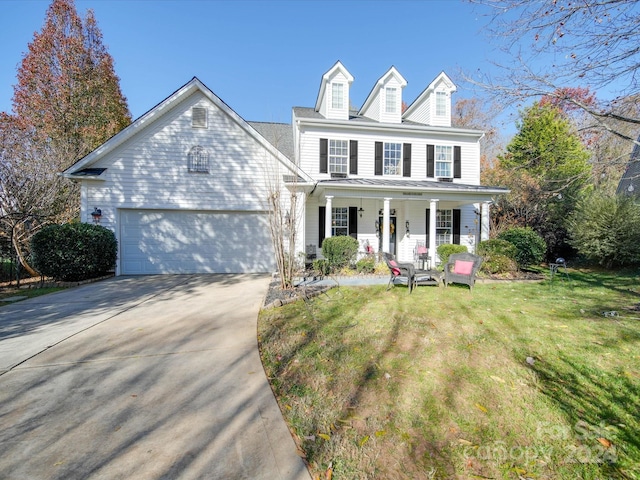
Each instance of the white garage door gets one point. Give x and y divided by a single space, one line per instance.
155 241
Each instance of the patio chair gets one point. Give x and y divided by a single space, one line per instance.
403 272
462 268
421 254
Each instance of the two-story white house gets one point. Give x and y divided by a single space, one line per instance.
185 187
393 179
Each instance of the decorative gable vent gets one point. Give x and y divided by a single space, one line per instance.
198 117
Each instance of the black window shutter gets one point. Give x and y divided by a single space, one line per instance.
431 161
406 160
457 162
324 150
427 229
353 222
456 226
322 214
353 157
378 158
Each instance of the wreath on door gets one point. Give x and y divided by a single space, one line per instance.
392 228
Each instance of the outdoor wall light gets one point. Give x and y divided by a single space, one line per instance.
406 226
377 228
96 214
361 211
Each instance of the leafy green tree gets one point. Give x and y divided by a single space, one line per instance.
606 228
546 166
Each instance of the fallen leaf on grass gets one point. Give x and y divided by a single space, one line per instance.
604 442
363 440
497 379
481 408
519 471
464 442
324 436
380 433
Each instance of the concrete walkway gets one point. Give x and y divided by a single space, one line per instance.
141 377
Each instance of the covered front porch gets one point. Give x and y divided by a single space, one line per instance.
397 216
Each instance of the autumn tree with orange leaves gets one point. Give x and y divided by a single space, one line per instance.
67 101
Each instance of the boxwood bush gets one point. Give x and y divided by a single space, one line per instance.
448 249
339 251
496 246
530 246
74 251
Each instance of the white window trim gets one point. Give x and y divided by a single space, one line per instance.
384 160
441 94
448 149
391 106
332 157
337 105
444 227
339 220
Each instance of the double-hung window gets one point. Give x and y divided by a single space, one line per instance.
392 160
444 161
391 100
441 104
338 156
340 221
444 227
337 95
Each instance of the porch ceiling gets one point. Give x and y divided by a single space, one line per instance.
399 189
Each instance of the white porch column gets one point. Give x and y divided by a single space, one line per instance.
386 226
433 208
327 217
484 221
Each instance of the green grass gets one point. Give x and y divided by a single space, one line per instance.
436 384
6 292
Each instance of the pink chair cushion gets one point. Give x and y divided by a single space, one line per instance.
395 271
463 268
422 250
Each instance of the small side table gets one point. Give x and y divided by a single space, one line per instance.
427 277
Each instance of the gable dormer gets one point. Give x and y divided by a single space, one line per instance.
333 97
384 103
433 105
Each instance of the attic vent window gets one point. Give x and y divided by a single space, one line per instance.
198 117
391 100
198 160
337 95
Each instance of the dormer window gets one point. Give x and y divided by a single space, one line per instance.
198 117
441 104
198 160
337 96
391 99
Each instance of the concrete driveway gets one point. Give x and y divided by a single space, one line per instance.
141 378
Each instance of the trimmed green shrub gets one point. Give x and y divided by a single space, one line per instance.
366 264
495 246
530 246
606 230
321 266
340 251
496 264
448 249
74 251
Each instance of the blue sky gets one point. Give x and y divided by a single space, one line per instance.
263 57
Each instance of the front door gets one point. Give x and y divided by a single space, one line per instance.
392 238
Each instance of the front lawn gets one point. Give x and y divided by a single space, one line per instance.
512 380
